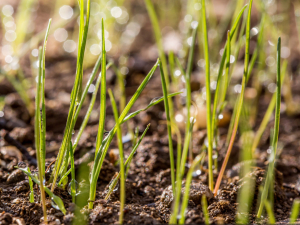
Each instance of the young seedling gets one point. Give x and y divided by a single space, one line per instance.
208 99
75 96
165 92
104 145
267 116
240 101
31 195
204 209
40 135
270 212
121 151
102 95
270 173
56 201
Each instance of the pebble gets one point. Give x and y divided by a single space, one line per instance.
196 191
15 176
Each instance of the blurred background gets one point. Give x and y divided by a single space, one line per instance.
131 45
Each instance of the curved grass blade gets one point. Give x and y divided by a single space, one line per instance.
127 164
105 144
240 101
53 197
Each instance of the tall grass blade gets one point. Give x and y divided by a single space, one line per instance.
166 102
102 95
267 116
43 109
75 94
121 153
91 105
208 99
38 132
271 166
240 101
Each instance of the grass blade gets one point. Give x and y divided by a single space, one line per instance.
102 95
38 132
268 113
57 200
75 94
240 101
166 102
275 135
121 151
208 99
295 211
43 118
127 164
91 105
106 142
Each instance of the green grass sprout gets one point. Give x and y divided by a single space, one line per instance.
121 153
57 200
102 95
271 166
166 102
240 101
40 134
208 99
204 209
106 142
31 195
270 212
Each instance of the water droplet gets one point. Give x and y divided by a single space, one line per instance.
73 132
54 205
77 192
196 173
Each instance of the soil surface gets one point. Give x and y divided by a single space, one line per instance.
149 195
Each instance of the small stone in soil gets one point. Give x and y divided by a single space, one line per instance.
16 176
196 191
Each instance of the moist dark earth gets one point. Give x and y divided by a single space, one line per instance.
148 193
